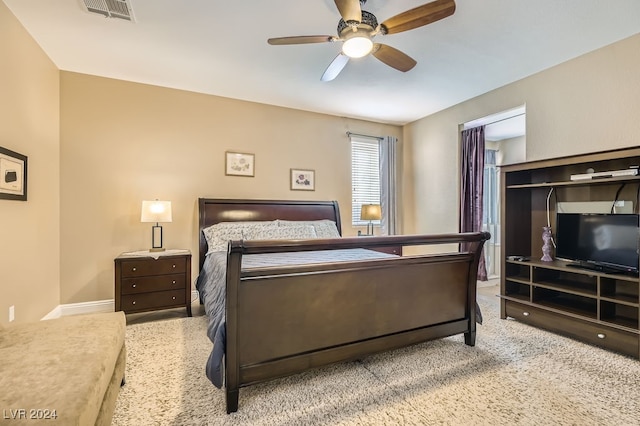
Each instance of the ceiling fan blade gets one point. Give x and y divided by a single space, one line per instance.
419 16
393 57
349 10
301 39
335 67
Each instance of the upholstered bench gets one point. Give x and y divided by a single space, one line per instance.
67 370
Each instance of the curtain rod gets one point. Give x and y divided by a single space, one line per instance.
364 136
464 126
506 118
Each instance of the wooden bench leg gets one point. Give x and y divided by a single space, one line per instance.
232 400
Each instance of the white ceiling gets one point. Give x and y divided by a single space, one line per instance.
220 48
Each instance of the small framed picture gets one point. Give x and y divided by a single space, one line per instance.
239 164
13 175
303 180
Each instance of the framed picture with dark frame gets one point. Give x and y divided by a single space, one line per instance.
13 175
239 164
303 180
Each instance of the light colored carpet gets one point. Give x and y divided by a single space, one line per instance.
515 375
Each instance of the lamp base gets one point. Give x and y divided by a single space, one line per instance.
156 238
370 229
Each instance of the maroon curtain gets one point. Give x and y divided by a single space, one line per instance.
472 170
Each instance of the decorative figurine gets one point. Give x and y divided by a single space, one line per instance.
546 247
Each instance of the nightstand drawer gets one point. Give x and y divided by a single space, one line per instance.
151 283
159 299
148 266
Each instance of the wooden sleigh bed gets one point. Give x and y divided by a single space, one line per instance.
282 320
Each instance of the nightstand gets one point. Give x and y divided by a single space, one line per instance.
397 250
146 283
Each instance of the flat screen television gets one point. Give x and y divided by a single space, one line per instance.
604 242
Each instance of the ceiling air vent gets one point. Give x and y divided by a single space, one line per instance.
111 8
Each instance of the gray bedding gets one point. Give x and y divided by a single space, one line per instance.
211 285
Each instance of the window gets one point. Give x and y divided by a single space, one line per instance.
365 176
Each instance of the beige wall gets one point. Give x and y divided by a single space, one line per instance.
29 125
512 150
123 142
588 104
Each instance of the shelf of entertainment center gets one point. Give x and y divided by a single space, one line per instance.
583 311
628 322
583 182
620 291
580 306
567 287
561 265
612 299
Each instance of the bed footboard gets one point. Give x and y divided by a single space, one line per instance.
285 320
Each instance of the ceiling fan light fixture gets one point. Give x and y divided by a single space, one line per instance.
357 46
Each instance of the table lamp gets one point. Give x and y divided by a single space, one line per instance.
370 212
156 211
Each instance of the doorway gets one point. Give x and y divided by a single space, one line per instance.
505 143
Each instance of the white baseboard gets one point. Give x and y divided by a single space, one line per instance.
55 313
81 308
94 307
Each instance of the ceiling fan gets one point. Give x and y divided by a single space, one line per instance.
357 28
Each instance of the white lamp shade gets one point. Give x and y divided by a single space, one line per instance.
156 211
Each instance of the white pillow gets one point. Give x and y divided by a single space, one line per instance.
324 228
293 232
219 235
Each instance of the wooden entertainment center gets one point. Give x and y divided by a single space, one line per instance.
595 307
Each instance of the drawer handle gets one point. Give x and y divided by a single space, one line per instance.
526 314
601 335
133 269
173 282
133 303
174 298
133 286
174 266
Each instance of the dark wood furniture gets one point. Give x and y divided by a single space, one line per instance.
598 308
285 320
397 250
146 284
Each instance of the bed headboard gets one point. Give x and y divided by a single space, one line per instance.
213 210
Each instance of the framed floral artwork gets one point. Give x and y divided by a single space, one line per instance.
13 175
239 164
303 180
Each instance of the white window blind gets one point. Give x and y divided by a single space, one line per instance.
365 176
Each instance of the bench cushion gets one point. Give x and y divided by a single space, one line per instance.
64 364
